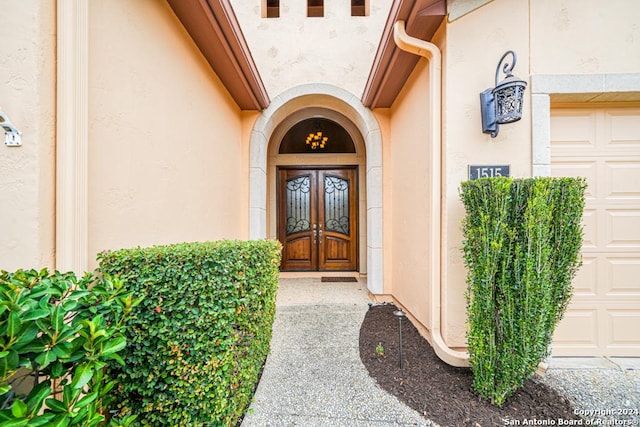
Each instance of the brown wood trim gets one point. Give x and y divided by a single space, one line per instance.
214 28
391 66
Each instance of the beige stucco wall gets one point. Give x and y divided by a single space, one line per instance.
292 50
469 65
383 117
27 90
167 162
585 37
407 172
549 37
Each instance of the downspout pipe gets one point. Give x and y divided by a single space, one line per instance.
432 53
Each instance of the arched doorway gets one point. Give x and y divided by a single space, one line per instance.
346 109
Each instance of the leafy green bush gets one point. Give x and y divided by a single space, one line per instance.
58 332
199 339
522 241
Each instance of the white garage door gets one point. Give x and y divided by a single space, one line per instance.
603 145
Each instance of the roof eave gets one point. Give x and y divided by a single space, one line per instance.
214 28
392 66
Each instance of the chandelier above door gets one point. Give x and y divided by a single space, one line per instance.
316 136
316 139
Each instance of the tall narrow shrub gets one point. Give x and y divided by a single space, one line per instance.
522 240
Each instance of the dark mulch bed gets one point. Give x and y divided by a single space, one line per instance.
441 392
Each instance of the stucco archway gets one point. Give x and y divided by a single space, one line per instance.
331 98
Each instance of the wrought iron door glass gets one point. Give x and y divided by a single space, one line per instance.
298 204
336 204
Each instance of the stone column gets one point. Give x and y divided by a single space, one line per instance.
72 136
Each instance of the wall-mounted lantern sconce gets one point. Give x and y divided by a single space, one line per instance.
12 135
503 103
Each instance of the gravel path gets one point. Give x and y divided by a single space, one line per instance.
313 375
602 396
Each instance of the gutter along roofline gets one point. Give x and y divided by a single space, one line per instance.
392 66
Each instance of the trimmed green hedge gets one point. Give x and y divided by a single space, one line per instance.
198 340
522 241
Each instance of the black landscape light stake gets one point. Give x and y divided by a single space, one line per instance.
400 315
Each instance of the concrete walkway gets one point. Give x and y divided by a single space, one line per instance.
313 375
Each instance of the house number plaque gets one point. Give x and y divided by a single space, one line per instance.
488 171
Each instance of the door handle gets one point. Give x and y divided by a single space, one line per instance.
315 234
320 235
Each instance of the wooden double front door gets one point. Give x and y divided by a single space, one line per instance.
317 218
